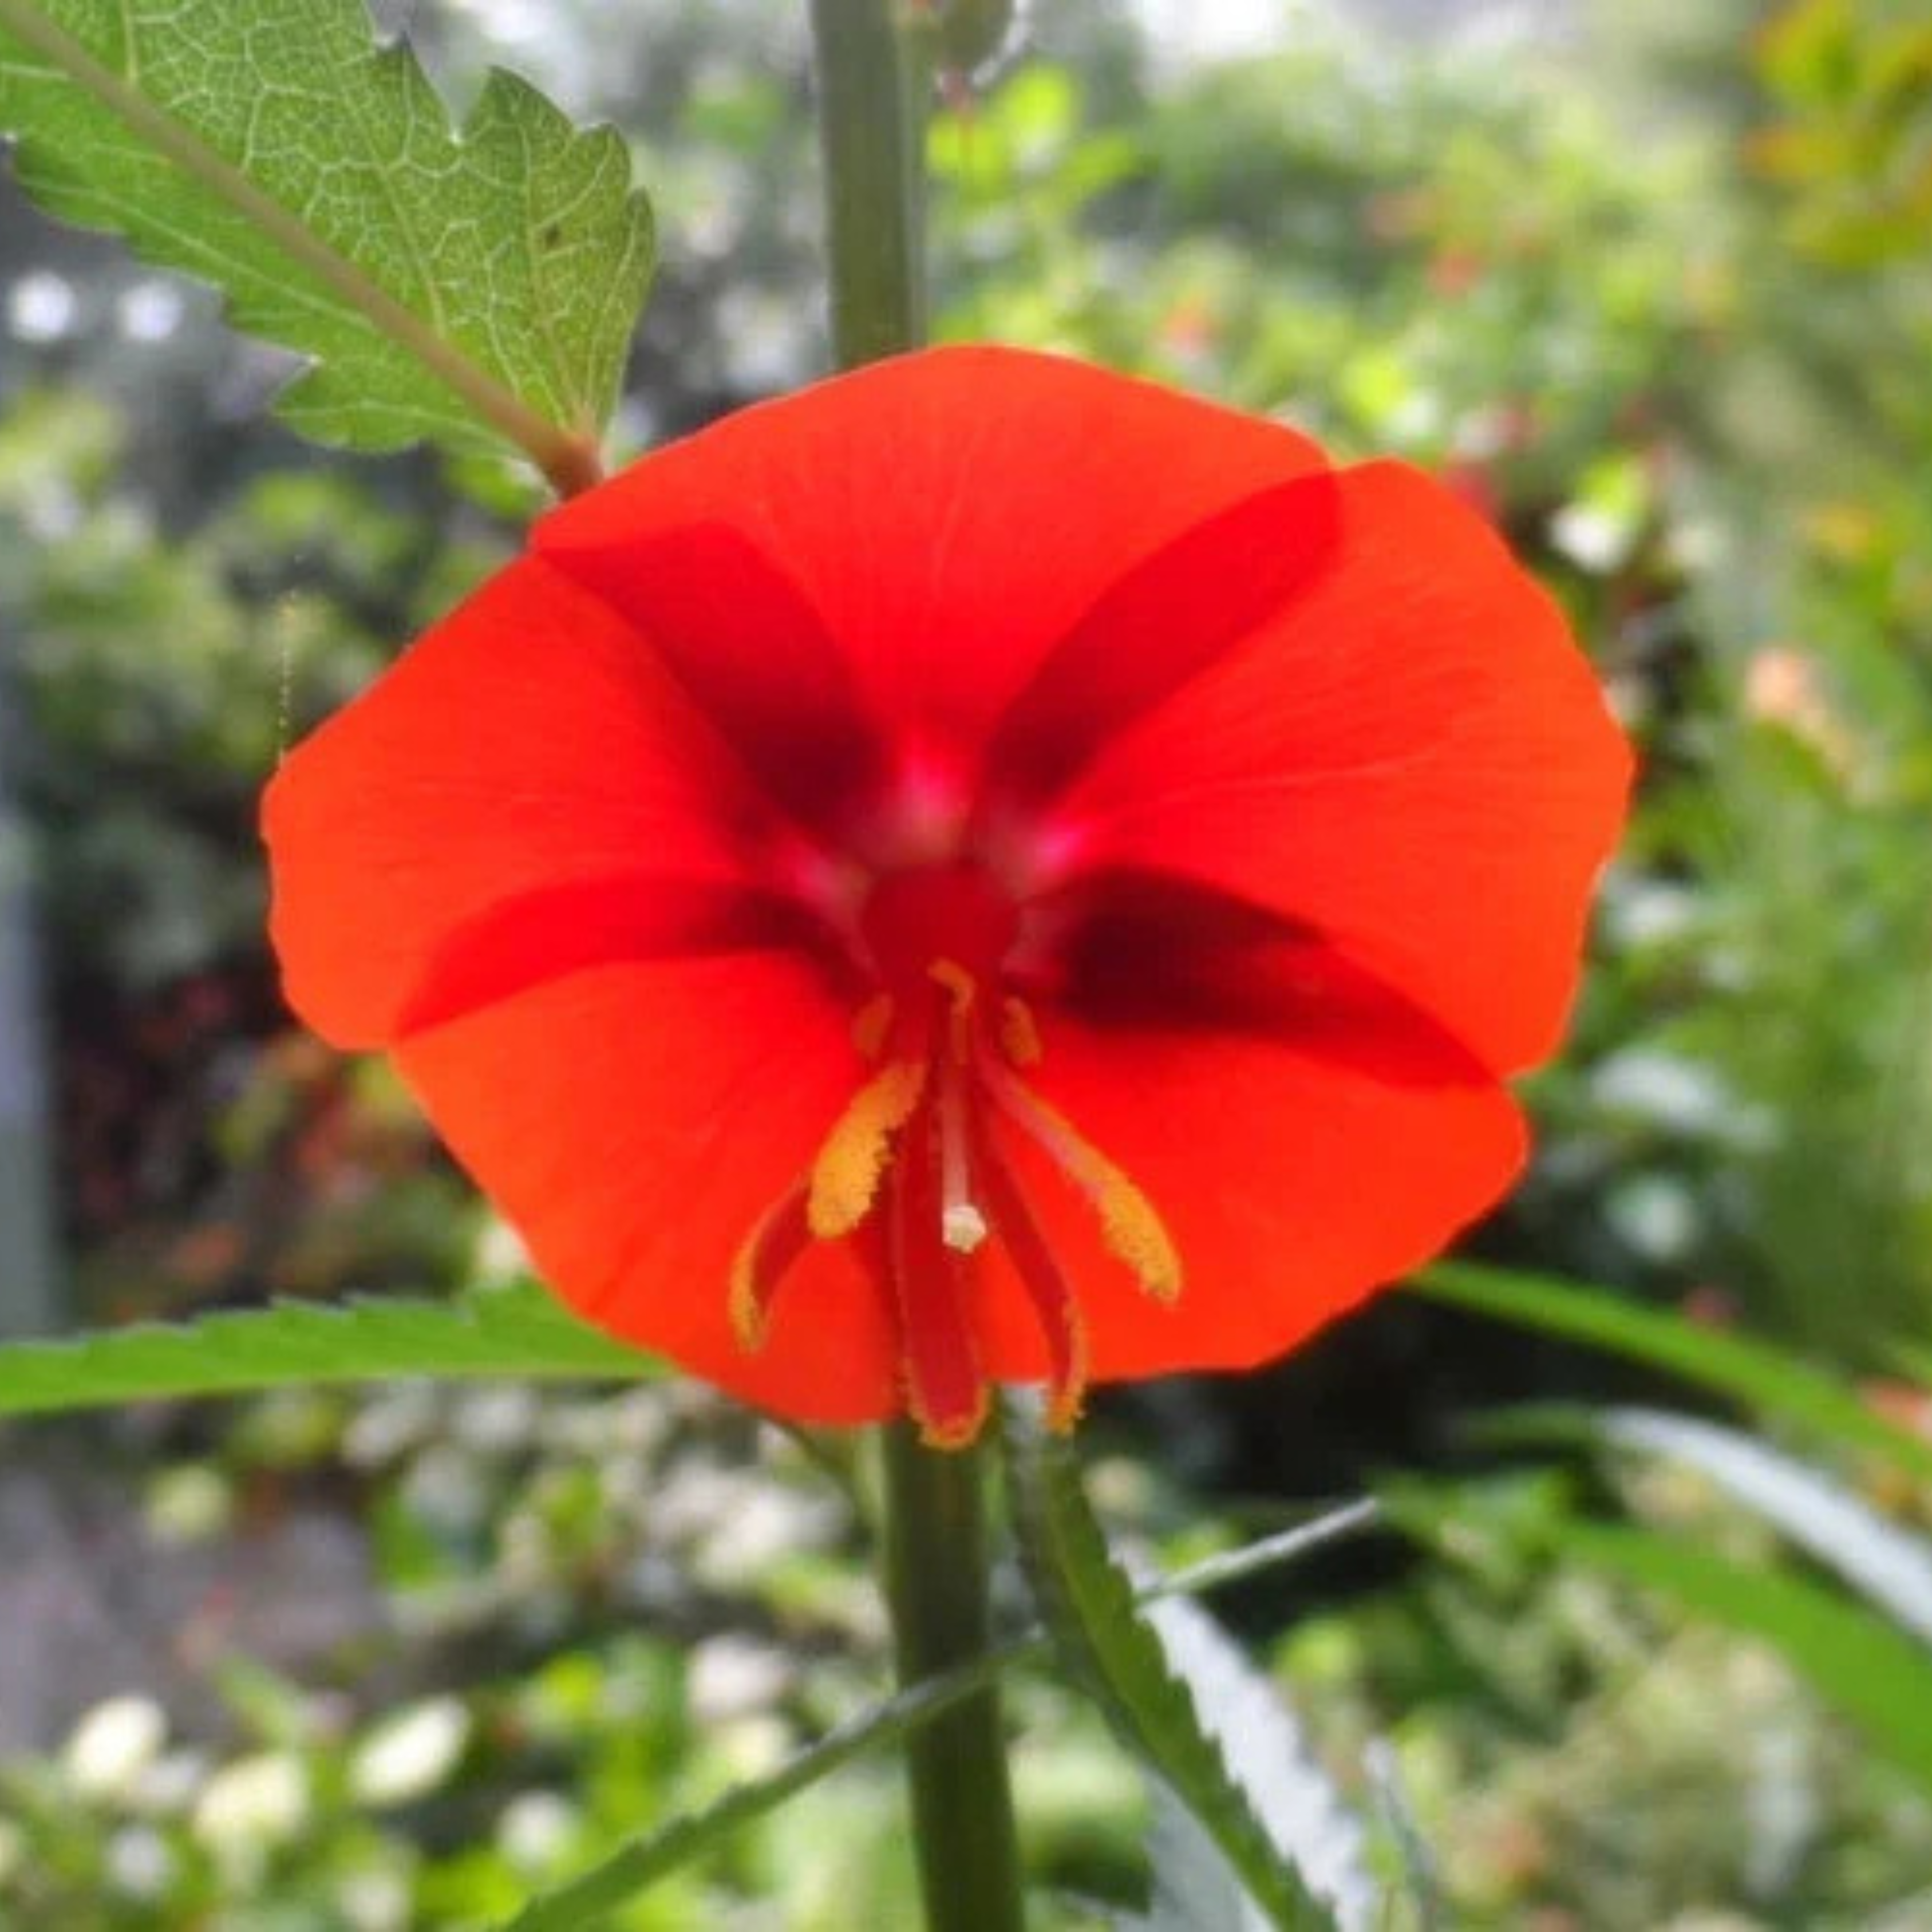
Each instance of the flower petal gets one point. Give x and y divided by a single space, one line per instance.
754 656
634 1122
1413 758
529 741
948 516
1295 1174
1166 621
551 931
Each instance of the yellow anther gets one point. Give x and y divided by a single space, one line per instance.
958 1432
760 1265
1130 1224
1068 1400
845 1177
1019 1035
750 1319
962 989
870 1025
1134 1231
957 981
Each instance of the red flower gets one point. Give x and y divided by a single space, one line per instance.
982 869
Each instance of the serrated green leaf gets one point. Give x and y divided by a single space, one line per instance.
513 1332
471 290
1759 1376
1089 1607
1195 1889
642 1861
1856 1662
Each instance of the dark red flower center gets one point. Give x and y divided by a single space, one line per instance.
915 1170
955 911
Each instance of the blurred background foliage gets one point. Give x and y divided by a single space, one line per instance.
1651 284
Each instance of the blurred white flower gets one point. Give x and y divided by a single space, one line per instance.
170 1785
189 1505
140 1863
113 1745
1594 539
256 1801
42 306
753 1747
375 1901
408 1755
1668 1091
496 1420
253 1804
150 311
733 1676
394 1422
535 1830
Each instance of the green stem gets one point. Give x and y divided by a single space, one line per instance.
936 1583
874 84
874 88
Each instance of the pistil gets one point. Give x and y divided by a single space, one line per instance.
916 1157
961 1225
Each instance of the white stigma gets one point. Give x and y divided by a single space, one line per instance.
962 1227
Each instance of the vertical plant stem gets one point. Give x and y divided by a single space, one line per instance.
936 1581
874 87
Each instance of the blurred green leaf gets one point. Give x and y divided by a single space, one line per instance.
1887 1565
477 288
1855 1661
1916 1360
1138 1679
512 1331
644 1860
1760 1377
1417 1882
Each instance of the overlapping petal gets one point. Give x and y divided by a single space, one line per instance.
528 742
1166 621
1412 756
949 517
634 1123
1295 1174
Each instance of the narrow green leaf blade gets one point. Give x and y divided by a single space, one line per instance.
1856 1662
1089 1605
1421 1887
1750 1373
512 1332
1885 1562
473 289
642 1861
